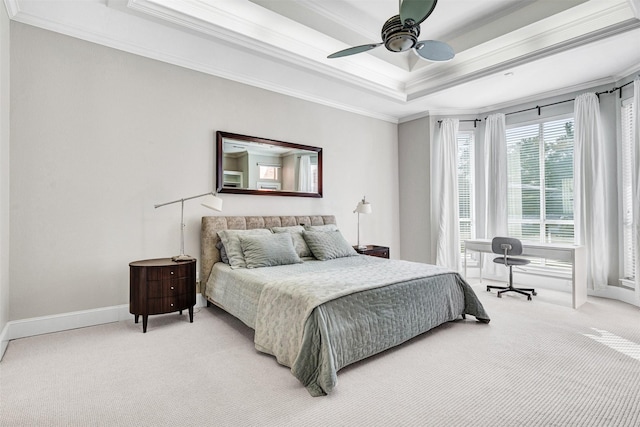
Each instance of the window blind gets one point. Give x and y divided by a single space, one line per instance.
627 156
465 186
540 181
558 181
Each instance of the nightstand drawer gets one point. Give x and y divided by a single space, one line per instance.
374 250
381 253
169 304
177 286
170 272
167 288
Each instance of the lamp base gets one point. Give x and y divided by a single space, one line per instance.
183 257
362 247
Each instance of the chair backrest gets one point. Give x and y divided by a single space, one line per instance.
512 246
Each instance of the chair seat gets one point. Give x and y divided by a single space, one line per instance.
511 261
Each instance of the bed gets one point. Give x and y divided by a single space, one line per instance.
317 316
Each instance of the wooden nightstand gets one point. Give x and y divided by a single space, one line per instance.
160 286
374 250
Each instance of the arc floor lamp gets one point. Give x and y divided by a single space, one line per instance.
212 202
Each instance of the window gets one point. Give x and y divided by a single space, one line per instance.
540 181
269 172
465 186
627 156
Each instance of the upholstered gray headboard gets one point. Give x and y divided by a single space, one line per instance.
212 224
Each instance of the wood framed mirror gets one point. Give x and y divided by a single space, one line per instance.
252 165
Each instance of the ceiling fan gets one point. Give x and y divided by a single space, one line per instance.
400 33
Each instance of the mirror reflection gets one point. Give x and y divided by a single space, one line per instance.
254 165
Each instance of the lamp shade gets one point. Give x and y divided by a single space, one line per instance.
363 207
213 202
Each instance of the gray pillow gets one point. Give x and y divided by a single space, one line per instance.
326 227
328 245
231 241
298 241
223 252
268 250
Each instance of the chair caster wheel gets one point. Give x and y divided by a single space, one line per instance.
499 295
534 293
529 297
488 289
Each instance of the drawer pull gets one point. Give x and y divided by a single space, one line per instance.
172 272
171 304
172 288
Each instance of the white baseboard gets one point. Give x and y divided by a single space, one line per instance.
65 321
62 322
621 294
4 340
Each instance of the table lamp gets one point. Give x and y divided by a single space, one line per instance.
363 207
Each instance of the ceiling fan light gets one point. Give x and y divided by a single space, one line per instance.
400 42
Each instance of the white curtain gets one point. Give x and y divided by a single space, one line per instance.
589 189
636 178
495 176
304 174
448 241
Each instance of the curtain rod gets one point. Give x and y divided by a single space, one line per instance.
540 107
464 120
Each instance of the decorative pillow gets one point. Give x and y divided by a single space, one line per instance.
268 250
328 245
223 252
231 241
326 227
298 241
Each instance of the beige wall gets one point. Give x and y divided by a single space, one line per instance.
99 136
4 174
415 190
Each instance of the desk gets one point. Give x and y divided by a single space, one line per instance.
569 253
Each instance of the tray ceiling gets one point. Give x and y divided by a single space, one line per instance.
507 51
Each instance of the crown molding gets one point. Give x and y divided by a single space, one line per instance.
345 19
523 102
214 20
531 43
635 7
202 35
188 59
13 7
629 72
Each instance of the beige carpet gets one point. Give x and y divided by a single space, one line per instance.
538 363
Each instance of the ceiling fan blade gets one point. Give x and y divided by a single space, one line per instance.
433 50
354 50
413 12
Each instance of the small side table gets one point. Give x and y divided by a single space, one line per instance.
374 250
159 286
